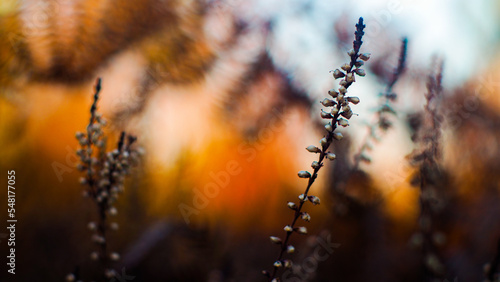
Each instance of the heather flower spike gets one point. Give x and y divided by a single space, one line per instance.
102 172
340 106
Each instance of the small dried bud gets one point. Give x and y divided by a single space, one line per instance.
350 78
347 114
290 249
359 63
328 102
114 226
304 174
306 216
331 156
315 165
83 180
329 127
313 149
292 205
302 197
98 239
110 273
112 211
343 122
287 263
360 72
70 277
338 74
79 135
333 93
323 142
335 110
354 100
346 108
325 115
338 136
342 90
80 167
114 256
275 240
278 264
351 52
92 226
94 256
346 67
288 228
315 200
302 230
417 240
266 273
343 82
365 56
439 238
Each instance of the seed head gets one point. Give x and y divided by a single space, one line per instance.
328 102
302 230
343 122
323 142
288 228
278 264
354 100
290 249
315 200
331 156
275 240
346 67
360 72
302 197
337 135
325 115
292 205
306 217
333 93
350 78
304 174
338 74
313 149
365 56
315 165
114 256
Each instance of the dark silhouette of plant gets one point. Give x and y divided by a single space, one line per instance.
104 175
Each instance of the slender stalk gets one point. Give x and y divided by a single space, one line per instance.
340 108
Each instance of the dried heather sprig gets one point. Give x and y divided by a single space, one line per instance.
382 120
340 113
430 176
104 176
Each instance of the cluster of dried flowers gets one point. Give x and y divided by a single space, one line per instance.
338 113
104 175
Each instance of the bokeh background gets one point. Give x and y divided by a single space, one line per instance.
231 88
